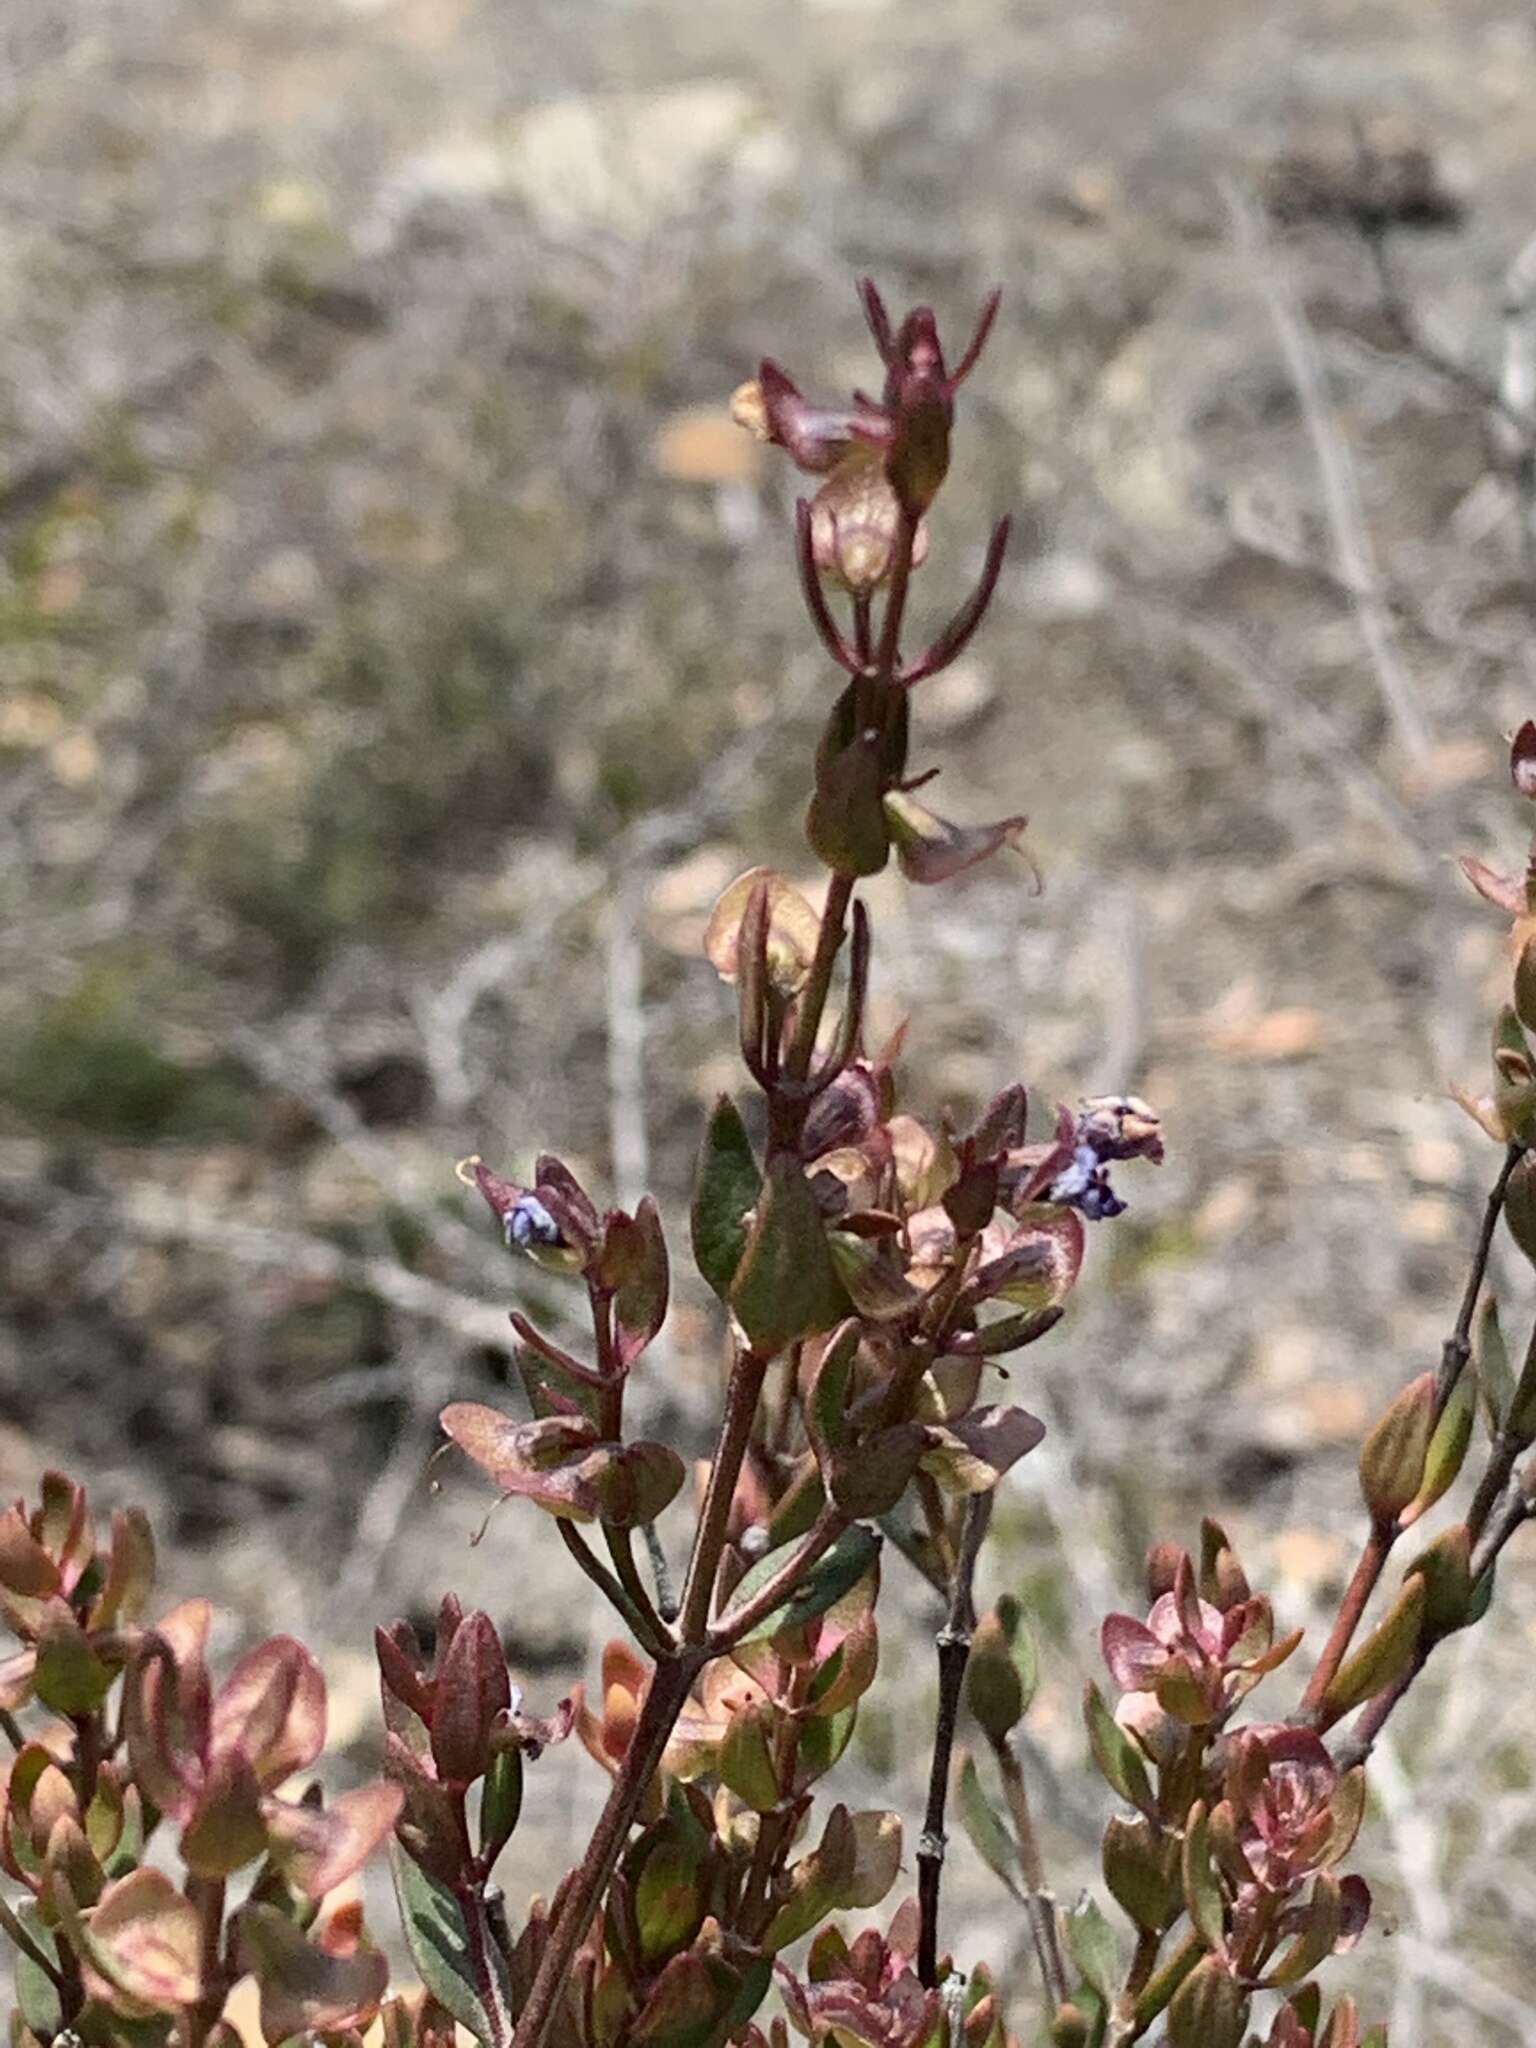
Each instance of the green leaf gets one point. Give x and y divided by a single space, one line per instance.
669 1893
989 1835
1447 1449
825 1415
1392 1456
1495 1375
1209 2009
438 1939
846 822
1094 1947
1138 1868
725 1191
746 1765
855 1552
1120 1762
501 1802
1202 1890
1385 1654
70 1677
755 1986
37 1996
822 1742
786 1286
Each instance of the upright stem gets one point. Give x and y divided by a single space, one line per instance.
741 1401
813 1001
953 1644
198 2022
663 1703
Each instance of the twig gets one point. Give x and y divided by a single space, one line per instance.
1336 475
661 1573
613 1591
1039 1899
953 1644
1458 1346
1368 1570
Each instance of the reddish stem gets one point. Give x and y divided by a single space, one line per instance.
1373 1558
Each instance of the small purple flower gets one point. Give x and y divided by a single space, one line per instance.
1108 1128
1084 1185
528 1223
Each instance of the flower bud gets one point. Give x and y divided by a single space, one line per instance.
994 1687
1393 1455
1522 759
855 518
472 1689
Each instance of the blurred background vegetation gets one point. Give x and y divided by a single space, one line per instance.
399 649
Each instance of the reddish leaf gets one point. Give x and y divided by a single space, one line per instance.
318 1848
305 1988
272 1709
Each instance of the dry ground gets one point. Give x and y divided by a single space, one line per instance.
396 653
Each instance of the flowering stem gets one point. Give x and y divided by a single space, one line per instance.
953 1643
1039 1899
663 1703
819 982
735 1434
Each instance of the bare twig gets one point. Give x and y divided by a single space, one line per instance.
953 1644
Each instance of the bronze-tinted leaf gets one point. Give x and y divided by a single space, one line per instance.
305 1989
1209 2009
318 1848
932 849
1139 1870
142 1947
972 1454
272 1709
786 1286
640 1305
793 930
986 1827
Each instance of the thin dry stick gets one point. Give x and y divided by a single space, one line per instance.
1336 475
1039 1899
953 1644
